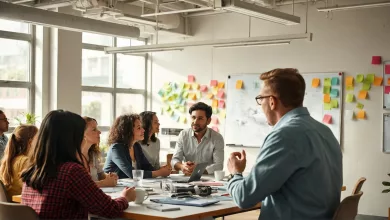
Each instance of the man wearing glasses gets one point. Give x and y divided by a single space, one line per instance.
298 172
3 128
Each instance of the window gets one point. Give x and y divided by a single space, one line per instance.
112 84
16 75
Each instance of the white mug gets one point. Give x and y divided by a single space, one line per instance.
140 196
219 175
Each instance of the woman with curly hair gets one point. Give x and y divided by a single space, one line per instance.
15 158
151 144
91 153
125 153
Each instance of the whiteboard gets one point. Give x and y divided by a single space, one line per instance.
246 124
386 133
386 86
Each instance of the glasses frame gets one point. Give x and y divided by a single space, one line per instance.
259 98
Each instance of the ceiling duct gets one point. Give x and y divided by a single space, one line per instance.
254 10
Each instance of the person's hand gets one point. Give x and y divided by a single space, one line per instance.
114 175
129 194
237 162
188 167
110 180
165 171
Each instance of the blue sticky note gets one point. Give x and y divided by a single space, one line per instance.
334 93
335 81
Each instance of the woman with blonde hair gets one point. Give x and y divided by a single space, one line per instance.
15 158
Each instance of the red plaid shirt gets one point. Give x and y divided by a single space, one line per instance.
71 195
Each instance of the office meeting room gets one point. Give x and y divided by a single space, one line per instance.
195 109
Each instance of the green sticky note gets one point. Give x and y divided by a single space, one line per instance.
366 86
327 106
182 109
370 78
198 95
181 85
359 78
326 90
327 82
359 105
161 93
334 93
334 103
350 88
349 97
335 81
185 94
215 110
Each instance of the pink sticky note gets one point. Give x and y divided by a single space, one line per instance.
221 104
203 88
387 69
191 78
214 120
387 89
215 128
221 94
213 83
327 119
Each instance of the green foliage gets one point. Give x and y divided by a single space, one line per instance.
385 183
27 118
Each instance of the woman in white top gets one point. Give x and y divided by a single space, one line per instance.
151 144
91 153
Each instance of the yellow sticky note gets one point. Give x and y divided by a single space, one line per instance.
185 94
183 119
170 112
221 85
215 103
349 81
326 98
239 84
187 86
315 82
362 94
334 103
378 81
327 106
361 114
210 96
222 114
192 96
215 91
195 86
182 109
350 88
350 97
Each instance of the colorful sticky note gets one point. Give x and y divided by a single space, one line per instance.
182 109
366 86
210 95
378 81
195 86
362 94
388 81
221 85
161 92
214 103
198 95
191 78
359 105
170 112
176 118
326 90
203 88
239 84
327 119
213 83
315 82
327 106
349 81
350 88
326 98
361 114
334 103
359 78
221 104
215 91
387 89
181 85
183 119
192 96
256 84
185 94
215 111
223 114
387 69
214 120
187 86
215 128
327 82
335 81
370 78
221 94
376 60
350 97
334 93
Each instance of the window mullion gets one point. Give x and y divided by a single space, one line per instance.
114 82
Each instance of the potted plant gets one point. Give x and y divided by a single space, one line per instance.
26 118
387 184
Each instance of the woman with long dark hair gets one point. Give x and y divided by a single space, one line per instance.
57 186
125 153
151 144
15 158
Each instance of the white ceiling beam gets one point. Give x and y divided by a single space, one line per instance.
64 21
356 6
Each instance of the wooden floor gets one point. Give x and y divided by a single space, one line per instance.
252 215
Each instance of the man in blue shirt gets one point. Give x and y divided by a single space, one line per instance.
298 172
3 128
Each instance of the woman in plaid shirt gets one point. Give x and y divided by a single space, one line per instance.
57 186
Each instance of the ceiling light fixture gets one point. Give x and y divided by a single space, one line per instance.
254 44
356 6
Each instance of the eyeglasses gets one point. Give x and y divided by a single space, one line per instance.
259 98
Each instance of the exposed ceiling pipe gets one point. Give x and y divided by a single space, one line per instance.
355 6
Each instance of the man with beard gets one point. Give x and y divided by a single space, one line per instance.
199 144
298 172
3 128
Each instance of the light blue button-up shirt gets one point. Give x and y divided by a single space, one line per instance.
298 173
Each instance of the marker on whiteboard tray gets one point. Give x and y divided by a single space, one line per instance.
234 145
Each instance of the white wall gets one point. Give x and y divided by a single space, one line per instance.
345 43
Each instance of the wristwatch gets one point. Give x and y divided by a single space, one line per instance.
232 175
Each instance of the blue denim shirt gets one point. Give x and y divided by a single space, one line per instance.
298 173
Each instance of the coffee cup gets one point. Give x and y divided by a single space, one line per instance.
140 196
219 175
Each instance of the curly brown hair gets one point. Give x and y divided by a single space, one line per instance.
94 150
121 130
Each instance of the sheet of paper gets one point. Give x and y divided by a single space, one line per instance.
191 78
335 81
334 93
349 114
362 94
326 90
315 82
221 85
327 82
361 114
214 103
326 98
203 88
359 78
327 106
378 81
349 81
334 103
366 86
221 94
350 97
221 104
387 69
370 77
239 84
327 119
213 83
359 105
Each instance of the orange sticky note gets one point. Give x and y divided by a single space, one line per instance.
221 104
210 95
239 84
361 114
221 94
362 94
349 81
388 81
221 85
203 88
326 98
191 78
213 83
327 119
195 86
315 82
215 103
214 120
378 81
192 96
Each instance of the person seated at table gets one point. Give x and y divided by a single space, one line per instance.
151 144
57 185
125 153
199 144
91 153
15 158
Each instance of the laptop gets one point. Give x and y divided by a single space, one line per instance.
195 176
